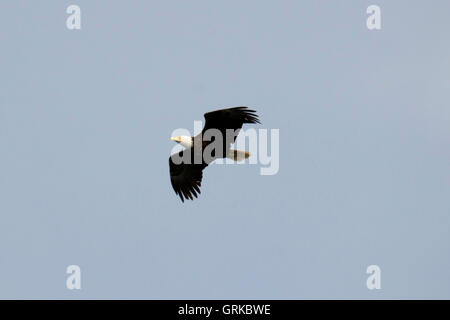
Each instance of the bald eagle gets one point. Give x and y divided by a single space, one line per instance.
186 176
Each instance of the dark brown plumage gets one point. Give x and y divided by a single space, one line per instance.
186 178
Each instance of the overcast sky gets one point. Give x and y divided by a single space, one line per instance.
364 176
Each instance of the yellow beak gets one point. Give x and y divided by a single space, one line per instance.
174 139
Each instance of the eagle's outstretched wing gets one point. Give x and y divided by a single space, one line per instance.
231 118
186 178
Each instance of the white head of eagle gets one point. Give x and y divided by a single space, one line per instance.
185 141
186 177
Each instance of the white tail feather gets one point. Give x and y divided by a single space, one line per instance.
237 155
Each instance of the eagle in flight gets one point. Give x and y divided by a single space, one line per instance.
186 167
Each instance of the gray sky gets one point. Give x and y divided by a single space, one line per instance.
85 121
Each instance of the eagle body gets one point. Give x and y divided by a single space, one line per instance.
186 176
